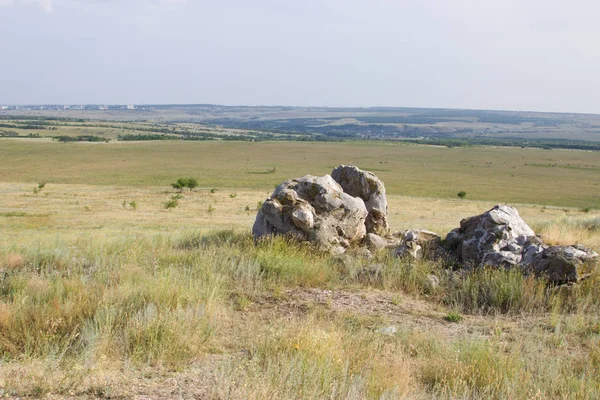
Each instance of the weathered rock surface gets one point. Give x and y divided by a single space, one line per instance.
564 263
314 209
496 238
418 243
375 242
370 189
348 210
501 238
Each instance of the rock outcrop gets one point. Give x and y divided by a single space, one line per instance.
564 263
314 209
501 238
498 237
348 210
335 212
370 189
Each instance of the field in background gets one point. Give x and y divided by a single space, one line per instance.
106 294
346 123
546 177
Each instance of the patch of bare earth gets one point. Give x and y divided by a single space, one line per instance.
390 309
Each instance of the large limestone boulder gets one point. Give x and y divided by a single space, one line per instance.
498 237
564 263
314 209
370 189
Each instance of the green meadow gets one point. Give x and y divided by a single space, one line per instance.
536 176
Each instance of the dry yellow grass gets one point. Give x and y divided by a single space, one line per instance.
75 210
14 261
102 299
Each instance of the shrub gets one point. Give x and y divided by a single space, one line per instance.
182 183
172 203
192 183
132 204
39 188
453 317
462 194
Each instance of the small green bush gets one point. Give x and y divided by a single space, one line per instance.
171 204
453 317
182 183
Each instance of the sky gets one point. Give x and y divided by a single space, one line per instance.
541 55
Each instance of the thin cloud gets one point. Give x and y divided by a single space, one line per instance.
45 5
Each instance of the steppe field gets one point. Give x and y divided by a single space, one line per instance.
105 293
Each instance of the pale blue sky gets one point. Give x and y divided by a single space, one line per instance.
512 54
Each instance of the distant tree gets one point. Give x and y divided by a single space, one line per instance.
182 183
192 183
462 194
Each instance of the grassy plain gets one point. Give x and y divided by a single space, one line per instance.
101 299
515 175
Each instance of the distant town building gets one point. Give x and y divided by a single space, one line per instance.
130 107
3 107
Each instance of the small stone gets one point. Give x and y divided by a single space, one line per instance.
387 330
375 242
337 250
434 281
410 249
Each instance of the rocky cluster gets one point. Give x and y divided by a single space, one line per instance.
348 210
